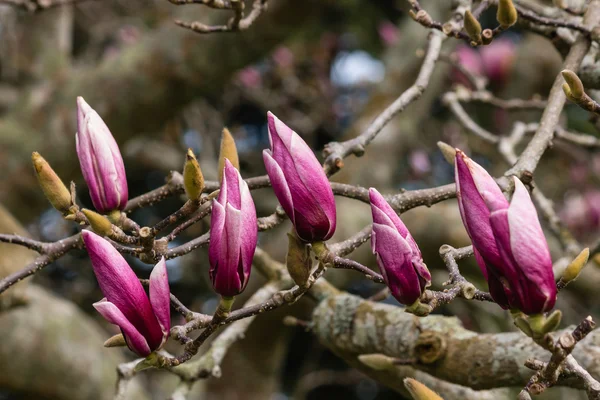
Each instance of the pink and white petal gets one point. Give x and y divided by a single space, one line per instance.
160 295
112 314
249 230
217 228
279 184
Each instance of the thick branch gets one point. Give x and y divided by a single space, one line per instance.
441 346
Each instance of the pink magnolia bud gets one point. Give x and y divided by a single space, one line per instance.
471 181
299 183
519 276
527 265
145 322
398 255
100 160
233 235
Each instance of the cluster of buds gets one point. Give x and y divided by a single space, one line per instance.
508 241
101 165
507 238
506 16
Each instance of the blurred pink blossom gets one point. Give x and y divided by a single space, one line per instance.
470 60
581 211
249 77
498 60
283 57
494 62
129 34
388 33
419 162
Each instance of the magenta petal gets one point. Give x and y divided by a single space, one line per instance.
394 259
529 246
122 287
232 190
233 219
249 232
279 184
491 275
217 227
160 296
134 339
313 177
377 201
481 263
527 239
474 212
279 133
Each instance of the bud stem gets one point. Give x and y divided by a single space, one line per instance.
223 309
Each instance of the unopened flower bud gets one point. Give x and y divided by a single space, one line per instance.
574 83
54 189
233 235
398 255
574 268
228 151
472 27
115 341
541 324
299 183
144 320
448 152
100 160
418 391
506 14
378 362
298 260
193 180
99 223
567 90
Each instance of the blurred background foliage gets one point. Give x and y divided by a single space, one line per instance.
326 68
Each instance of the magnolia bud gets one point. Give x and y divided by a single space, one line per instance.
145 320
574 268
193 180
506 14
398 255
448 152
576 90
418 391
100 160
115 341
473 27
99 223
228 151
298 260
541 324
567 90
378 362
299 183
233 235
54 189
